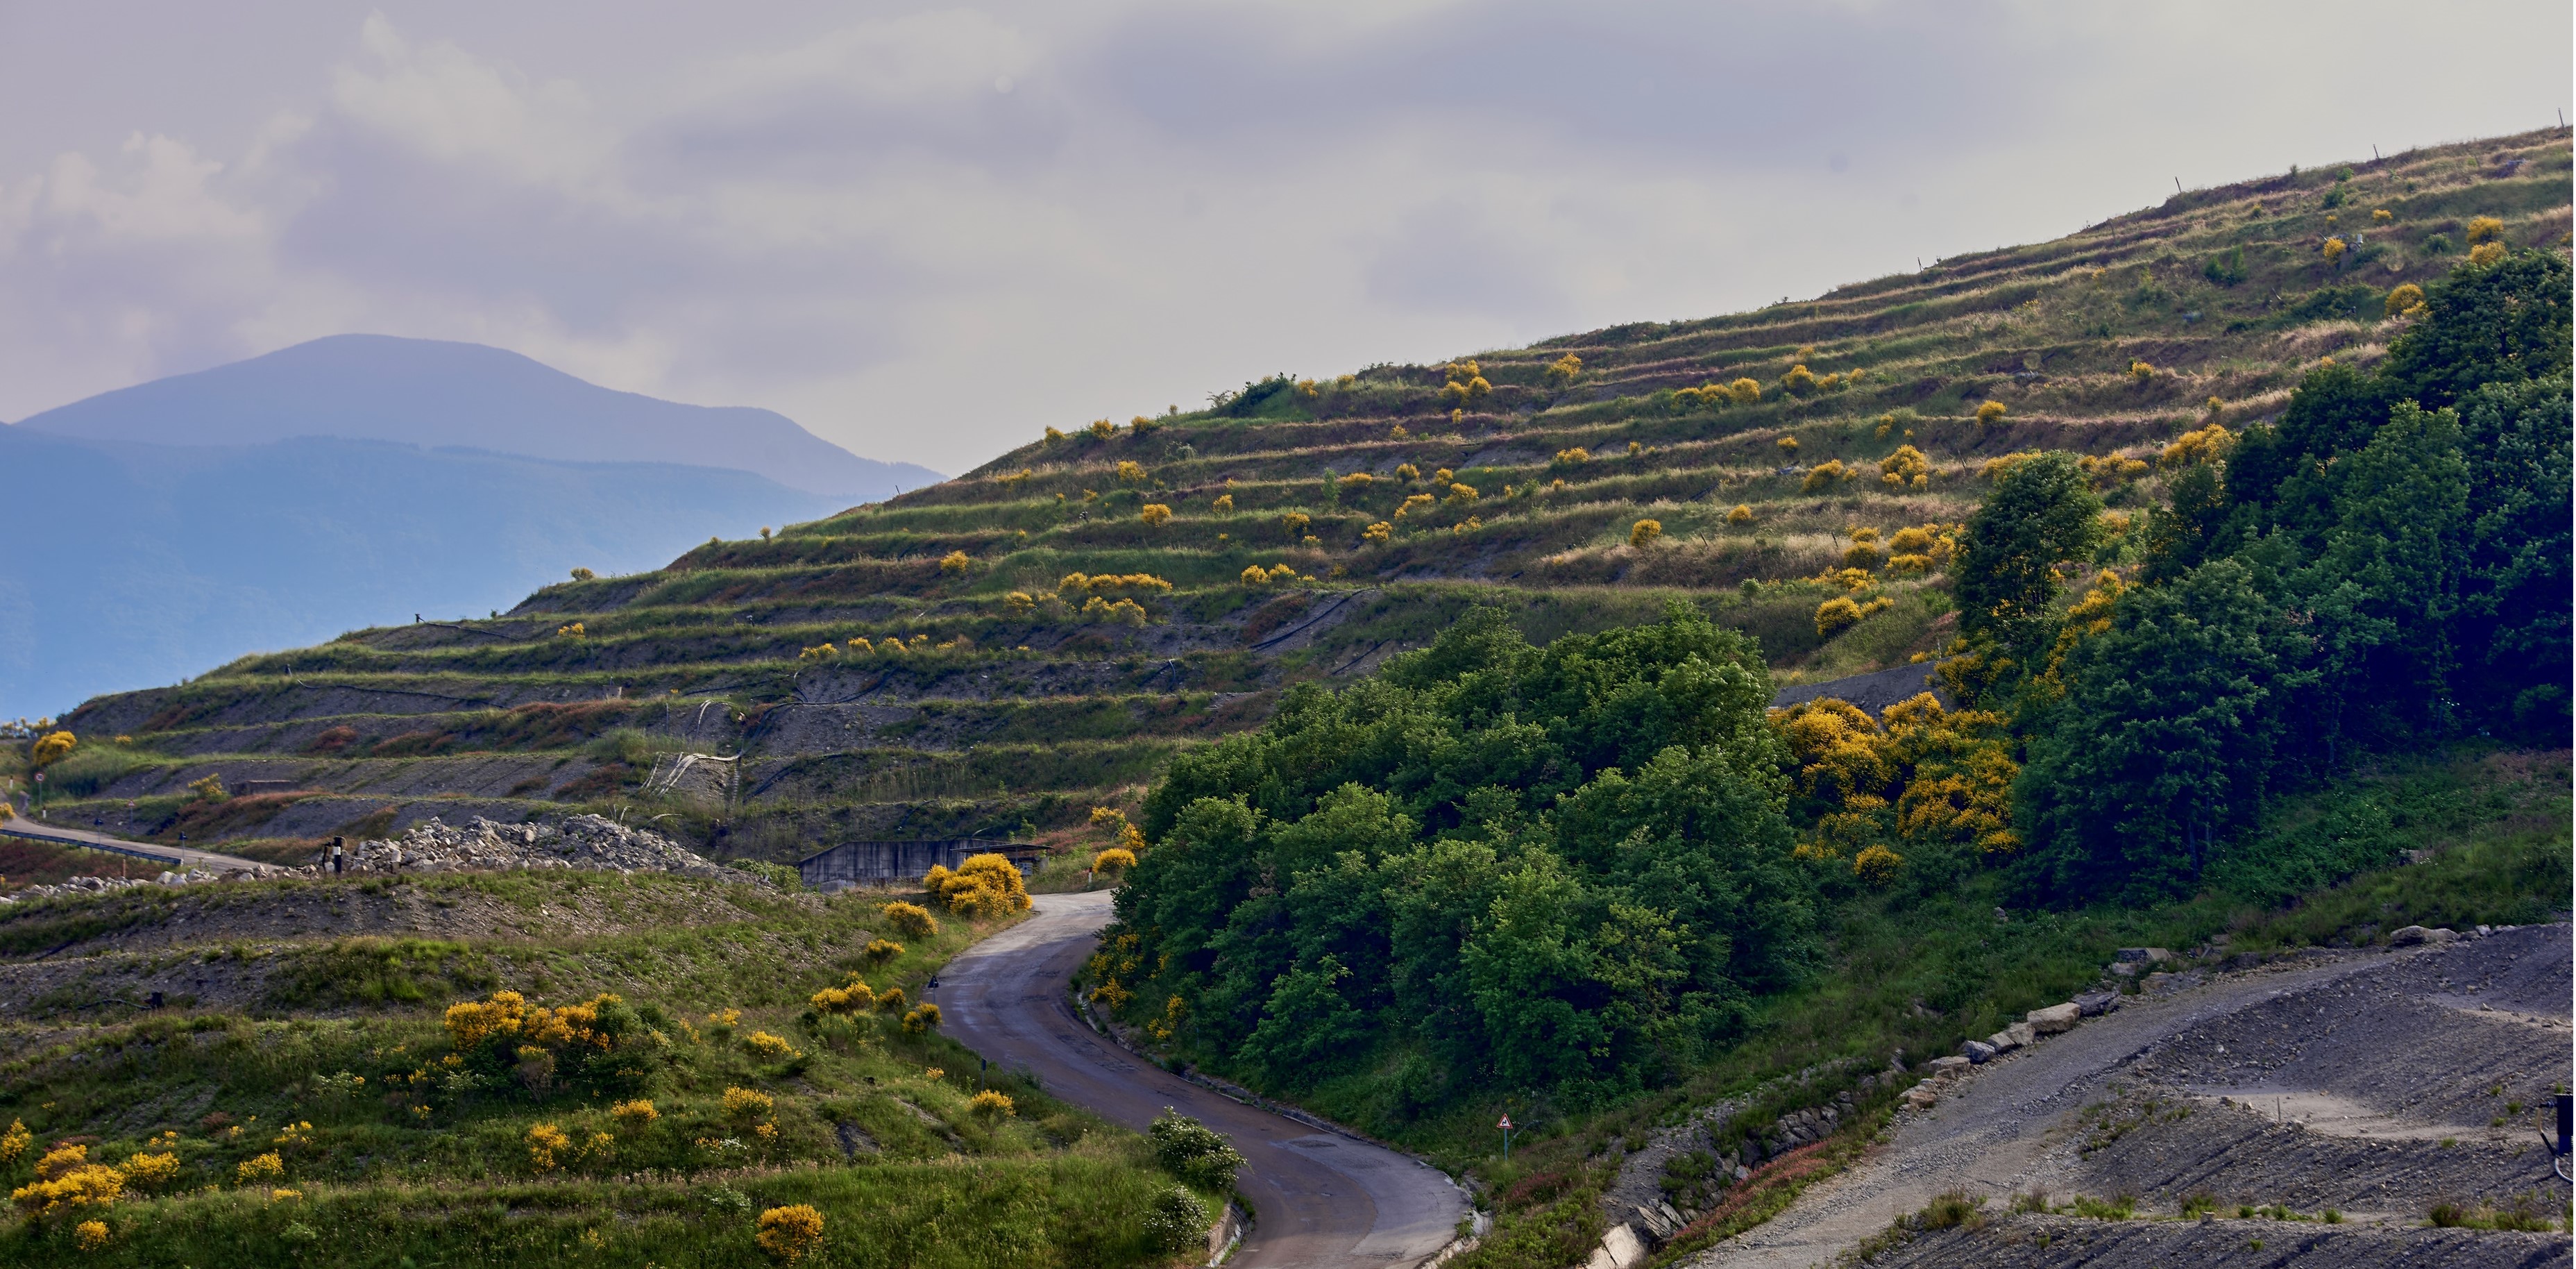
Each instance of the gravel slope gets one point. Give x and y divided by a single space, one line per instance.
2389 1069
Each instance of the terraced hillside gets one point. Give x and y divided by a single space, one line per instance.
998 654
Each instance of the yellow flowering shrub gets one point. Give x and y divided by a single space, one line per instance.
2485 229
1155 513
1836 615
774 1048
1114 859
1787 444
1103 428
879 951
91 1234
1461 495
1415 502
1379 532
1295 523
910 920
1564 369
260 1167
50 747
1863 555
1407 471
2332 250
1877 865
1742 514
1990 413
1960 774
1130 472
1356 480
2486 253
1574 457
1823 476
636 1115
956 562
1745 391
1836 746
2403 299
1905 467
984 885
854 997
2202 445
1224 502
14 1143
546 1144
1644 531
574 630
746 1104
819 652
1799 381
991 1105
922 1019
2381 215
789 1234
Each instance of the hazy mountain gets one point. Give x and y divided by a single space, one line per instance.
138 565
434 393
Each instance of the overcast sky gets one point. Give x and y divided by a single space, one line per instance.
926 233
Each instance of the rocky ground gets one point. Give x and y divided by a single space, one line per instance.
581 841
2032 1241
2382 1085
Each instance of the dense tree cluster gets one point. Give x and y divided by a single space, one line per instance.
1564 867
2384 566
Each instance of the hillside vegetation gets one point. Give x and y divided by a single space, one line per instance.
1002 652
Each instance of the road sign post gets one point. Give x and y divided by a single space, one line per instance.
1506 1126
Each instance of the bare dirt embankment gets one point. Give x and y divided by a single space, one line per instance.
2382 1085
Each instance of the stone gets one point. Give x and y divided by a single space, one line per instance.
1652 1222
1623 1246
1671 1215
2005 1041
2142 956
2415 935
2053 1019
1921 1097
1947 1066
1600 1260
1978 1051
2095 1004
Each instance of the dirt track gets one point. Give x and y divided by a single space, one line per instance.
1319 1200
2388 1067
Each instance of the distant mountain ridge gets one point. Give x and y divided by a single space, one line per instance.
441 394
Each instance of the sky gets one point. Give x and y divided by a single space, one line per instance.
928 233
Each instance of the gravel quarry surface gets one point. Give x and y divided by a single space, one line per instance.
2368 1081
2032 1241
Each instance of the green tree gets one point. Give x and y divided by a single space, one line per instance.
2165 740
2043 512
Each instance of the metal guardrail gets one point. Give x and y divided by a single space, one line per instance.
17 826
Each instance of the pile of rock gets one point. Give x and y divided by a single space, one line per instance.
582 841
74 885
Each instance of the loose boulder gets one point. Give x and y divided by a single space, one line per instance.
2054 1019
2416 935
1977 1051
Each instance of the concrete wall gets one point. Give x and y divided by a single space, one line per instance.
893 863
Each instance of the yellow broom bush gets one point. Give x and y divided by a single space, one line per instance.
1295 523
1906 467
1564 369
1130 472
1745 391
1788 445
984 885
2202 445
1643 532
1877 865
910 920
635 1116
1155 513
2485 229
789 1234
1224 502
1990 413
2486 253
956 562
2404 299
1823 476
1742 514
1574 457
1103 428
990 1105
1379 533
1114 859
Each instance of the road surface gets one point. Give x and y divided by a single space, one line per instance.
181 858
1320 1201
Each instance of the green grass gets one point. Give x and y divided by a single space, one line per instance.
400 1162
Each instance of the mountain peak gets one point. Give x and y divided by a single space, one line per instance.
441 393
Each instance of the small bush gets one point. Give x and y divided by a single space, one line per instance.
1742 514
1295 523
991 1105
1379 533
1155 513
921 1019
1224 502
1824 476
774 1048
2485 229
572 630
1990 413
1103 429
1193 1151
1176 1221
788 1234
1563 370
955 562
1643 532
1788 445
583 575
2404 299
2486 253
90 1235
910 920
1570 458
1877 865
1114 859
51 747
260 1167
2332 250
1131 473
636 1115
984 885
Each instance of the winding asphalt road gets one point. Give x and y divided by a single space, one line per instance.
174 856
1318 1199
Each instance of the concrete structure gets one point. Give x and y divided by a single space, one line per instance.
892 863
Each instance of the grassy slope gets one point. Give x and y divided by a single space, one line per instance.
395 1174
2223 294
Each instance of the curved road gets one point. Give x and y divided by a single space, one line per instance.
1318 1199
183 857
